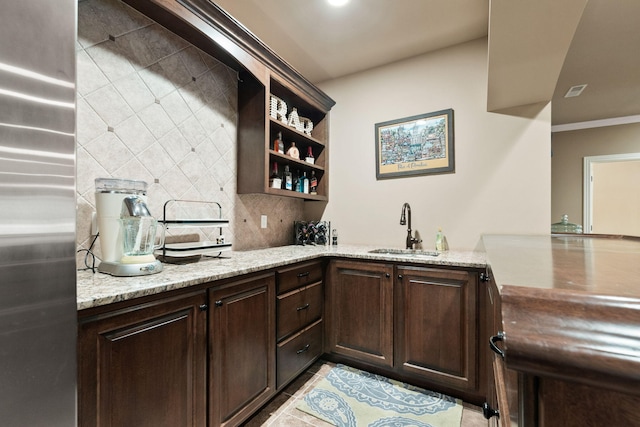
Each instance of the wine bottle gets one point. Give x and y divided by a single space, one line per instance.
293 151
309 158
274 180
288 178
313 183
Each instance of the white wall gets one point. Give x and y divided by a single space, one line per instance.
502 173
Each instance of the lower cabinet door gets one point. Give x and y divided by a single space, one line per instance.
242 348
144 366
298 352
360 311
437 328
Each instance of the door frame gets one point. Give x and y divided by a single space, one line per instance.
587 199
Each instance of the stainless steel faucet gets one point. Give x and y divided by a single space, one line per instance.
406 212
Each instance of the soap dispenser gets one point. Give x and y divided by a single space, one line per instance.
441 241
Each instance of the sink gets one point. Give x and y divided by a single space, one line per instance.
404 252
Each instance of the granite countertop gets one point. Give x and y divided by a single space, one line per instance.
96 289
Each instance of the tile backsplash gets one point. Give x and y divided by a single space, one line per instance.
152 107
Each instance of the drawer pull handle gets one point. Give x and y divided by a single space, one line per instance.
488 412
303 349
492 343
304 307
305 274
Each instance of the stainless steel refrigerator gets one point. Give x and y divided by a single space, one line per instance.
37 213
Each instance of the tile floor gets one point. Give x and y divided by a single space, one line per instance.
282 412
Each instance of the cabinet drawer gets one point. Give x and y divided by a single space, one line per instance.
298 352
298 308
299 275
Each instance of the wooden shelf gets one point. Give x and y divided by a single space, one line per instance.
284 159
292 133
295 194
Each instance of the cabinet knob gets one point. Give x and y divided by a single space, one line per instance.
492 343
400 276
203 307
387 275
218 303
305 274
488 412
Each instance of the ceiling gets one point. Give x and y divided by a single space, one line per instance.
324 42
604 54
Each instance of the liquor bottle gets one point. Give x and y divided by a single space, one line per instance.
297 182
313 183
274 180
293 151
288 178
309 158
305 183
278 145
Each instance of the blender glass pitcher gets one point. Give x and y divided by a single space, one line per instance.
138 232
139 236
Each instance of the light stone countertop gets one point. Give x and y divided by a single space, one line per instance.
96 289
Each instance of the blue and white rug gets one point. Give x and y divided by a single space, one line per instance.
348 397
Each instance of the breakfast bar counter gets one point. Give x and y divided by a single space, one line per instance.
570 319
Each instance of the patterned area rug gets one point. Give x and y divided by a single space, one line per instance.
348 397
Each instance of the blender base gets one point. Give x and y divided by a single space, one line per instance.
127 270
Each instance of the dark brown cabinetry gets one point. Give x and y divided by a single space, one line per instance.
153 364
502 383
299 319
360 311
144 365
436 335
215 355
418 324
241 348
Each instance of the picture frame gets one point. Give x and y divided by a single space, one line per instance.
416 145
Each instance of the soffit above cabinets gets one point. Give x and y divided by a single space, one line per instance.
528 42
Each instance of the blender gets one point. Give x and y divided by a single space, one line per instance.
126 228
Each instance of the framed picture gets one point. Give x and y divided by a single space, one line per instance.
417 145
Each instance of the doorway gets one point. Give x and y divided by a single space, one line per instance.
612 194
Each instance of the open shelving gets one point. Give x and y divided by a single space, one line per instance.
258 130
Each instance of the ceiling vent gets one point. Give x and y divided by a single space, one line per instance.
575 91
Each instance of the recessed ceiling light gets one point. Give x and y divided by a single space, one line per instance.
338 3
575 91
